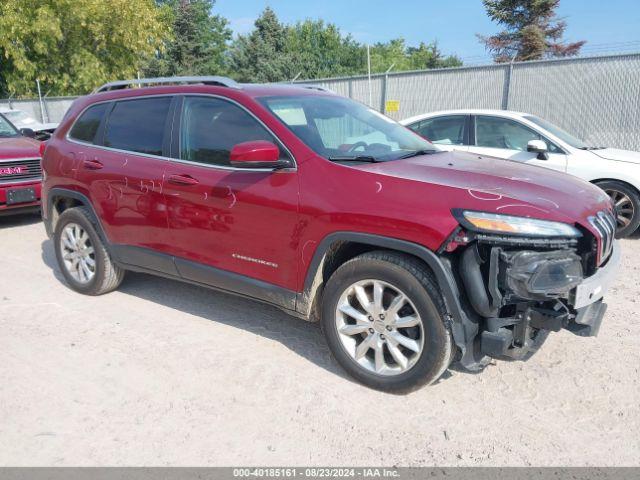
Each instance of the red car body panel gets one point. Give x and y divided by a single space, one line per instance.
230 218
15 148
12 150
210 223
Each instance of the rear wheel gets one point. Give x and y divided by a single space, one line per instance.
627 203
383 317
82 256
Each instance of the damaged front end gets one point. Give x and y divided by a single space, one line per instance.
517 289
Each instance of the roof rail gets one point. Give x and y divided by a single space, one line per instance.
311 86
122 84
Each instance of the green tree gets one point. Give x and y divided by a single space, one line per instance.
427 56
317 49
384 55
396 54
72 46
262 55
199 42
274 52
532 31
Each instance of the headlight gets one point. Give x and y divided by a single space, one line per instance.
496 223
542 275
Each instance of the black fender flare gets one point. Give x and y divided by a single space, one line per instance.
80 197
463 327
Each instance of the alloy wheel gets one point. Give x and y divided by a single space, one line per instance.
625 210
78 254
379 327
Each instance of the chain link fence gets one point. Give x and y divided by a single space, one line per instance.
52 109
597 99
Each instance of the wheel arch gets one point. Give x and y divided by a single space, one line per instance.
337 248
61 199
635 188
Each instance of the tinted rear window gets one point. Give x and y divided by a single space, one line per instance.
447 130
86 126
138 125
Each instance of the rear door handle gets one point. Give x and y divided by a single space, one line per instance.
92 164
182 180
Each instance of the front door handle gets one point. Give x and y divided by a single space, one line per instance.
182 180
92 164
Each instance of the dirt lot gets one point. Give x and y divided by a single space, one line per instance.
161 373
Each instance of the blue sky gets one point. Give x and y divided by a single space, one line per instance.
607 25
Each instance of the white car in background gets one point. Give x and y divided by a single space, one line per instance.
530 139
21 119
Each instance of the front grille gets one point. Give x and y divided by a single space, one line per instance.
20 170
605 224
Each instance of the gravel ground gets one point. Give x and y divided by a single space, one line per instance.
164 373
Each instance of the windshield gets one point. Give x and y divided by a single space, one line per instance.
7 129
558 132
341 129
19 117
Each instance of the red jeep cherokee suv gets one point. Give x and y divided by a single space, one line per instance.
20 171
409 256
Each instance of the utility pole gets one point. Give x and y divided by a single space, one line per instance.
41 103
385 81
369 75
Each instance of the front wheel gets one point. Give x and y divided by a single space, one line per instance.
383 318
627 204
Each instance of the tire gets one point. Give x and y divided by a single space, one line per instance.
628 198
395 275
106 276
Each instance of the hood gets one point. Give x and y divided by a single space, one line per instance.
39 127
619 155
501 186
13 148
30 122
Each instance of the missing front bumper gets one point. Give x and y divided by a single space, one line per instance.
516 311
518 336
517 339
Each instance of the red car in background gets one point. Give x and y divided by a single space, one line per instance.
20 170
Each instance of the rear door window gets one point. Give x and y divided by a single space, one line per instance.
447 130
138 125
86 126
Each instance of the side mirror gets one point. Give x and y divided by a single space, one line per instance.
27 132
257 154
540 147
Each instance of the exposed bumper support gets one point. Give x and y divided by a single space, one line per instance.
593 288
588 320
534 312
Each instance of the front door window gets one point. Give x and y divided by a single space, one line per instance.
504 133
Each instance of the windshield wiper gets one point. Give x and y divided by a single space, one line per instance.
354 158
592 148
417 153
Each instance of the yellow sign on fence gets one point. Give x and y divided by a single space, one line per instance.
392 106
